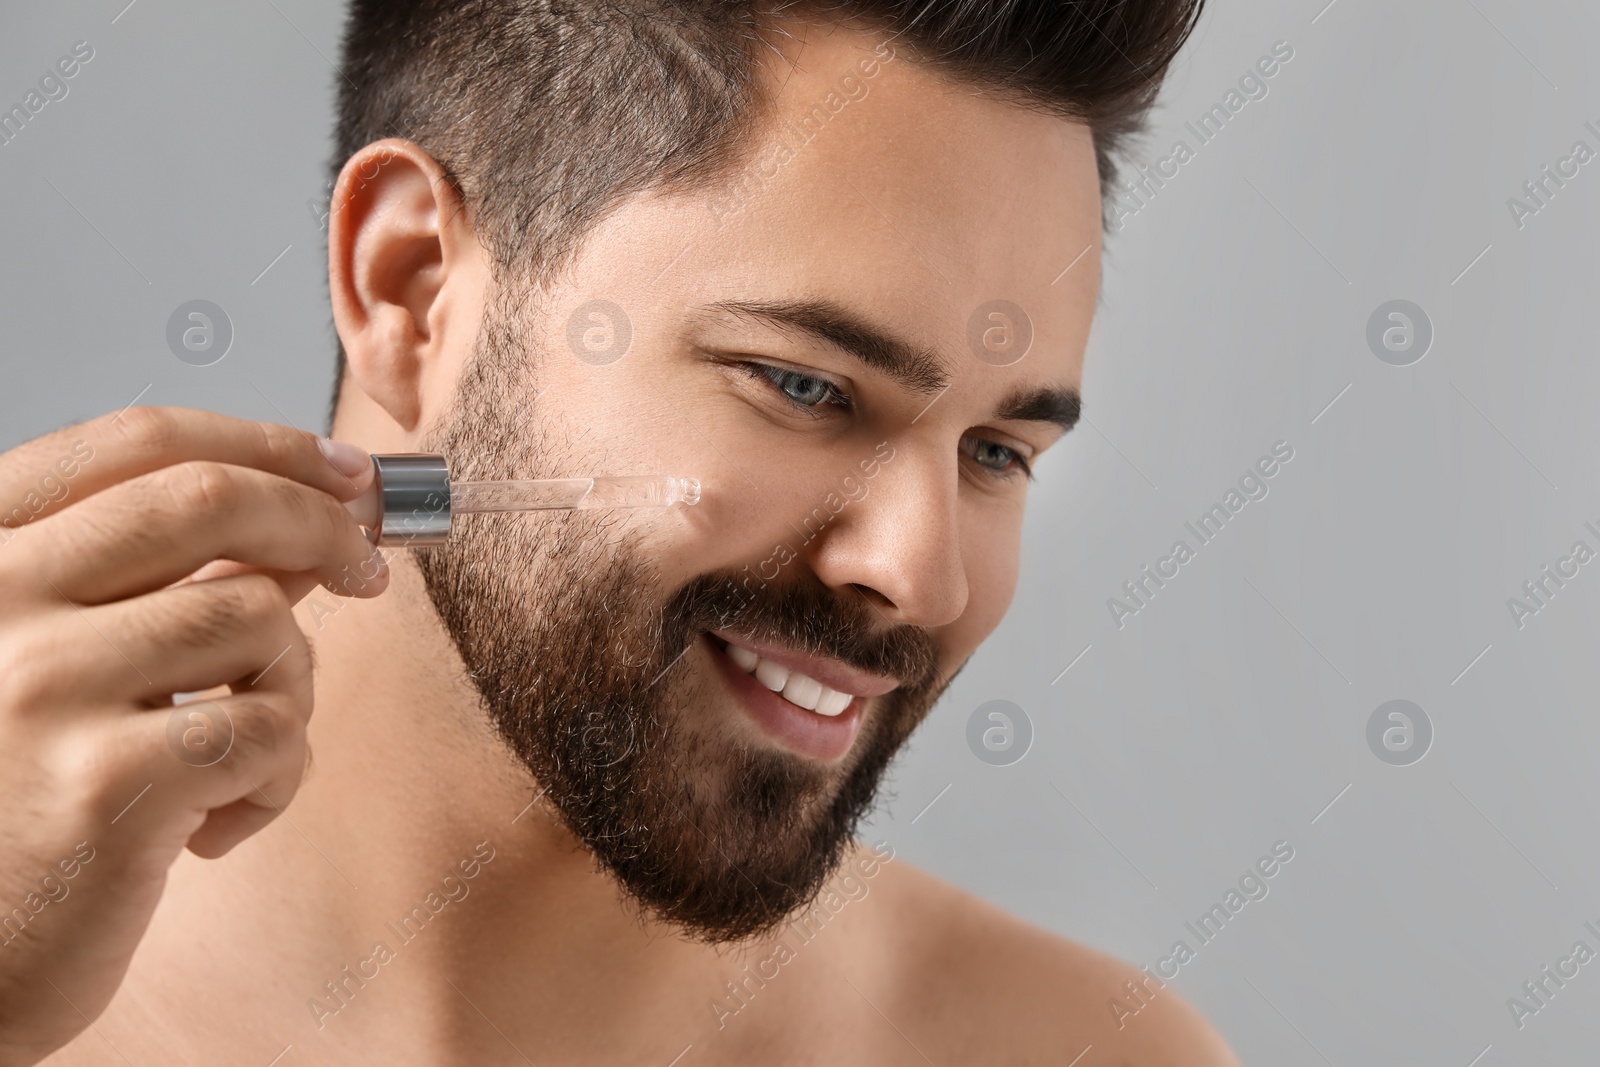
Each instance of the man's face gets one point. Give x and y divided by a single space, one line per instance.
710 695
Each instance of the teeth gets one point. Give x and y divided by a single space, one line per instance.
771 675
746 659
803 691
832 702
798 689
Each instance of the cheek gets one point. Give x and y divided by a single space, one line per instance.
735 524
990 554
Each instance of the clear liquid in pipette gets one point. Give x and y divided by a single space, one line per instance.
547 494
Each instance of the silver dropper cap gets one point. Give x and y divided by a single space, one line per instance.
414 497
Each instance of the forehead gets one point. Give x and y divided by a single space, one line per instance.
886 187
925 197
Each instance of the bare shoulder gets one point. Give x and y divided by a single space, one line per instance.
990 988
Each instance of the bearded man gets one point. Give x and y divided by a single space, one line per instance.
585 784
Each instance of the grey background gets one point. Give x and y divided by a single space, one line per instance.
1227 714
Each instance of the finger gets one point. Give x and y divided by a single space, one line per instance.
187 639
152 531
228 825
168 770
50 473
295 584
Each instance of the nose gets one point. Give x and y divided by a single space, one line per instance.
900 543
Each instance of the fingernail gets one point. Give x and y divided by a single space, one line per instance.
346 458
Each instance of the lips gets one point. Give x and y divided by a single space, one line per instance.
812 705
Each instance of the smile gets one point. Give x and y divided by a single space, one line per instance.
812 705
796 688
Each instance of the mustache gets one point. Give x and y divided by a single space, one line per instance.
806 615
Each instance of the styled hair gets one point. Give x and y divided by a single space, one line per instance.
545 113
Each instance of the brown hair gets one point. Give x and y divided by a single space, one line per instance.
545 113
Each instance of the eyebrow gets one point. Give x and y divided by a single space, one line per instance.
1058 406
918 369
822 320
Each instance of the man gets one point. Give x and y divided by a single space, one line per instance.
584 784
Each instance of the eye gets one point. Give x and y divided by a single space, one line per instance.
804 391
999 461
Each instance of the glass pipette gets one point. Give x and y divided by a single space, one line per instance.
413 499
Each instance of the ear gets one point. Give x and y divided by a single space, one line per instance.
398 235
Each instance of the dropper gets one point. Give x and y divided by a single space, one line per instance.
418 499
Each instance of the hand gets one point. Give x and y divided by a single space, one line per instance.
148 554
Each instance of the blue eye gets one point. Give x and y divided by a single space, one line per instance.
801 390
804 390
999 460
809 393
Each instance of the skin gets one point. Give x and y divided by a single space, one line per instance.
914 206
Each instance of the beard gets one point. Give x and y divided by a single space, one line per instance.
595 677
